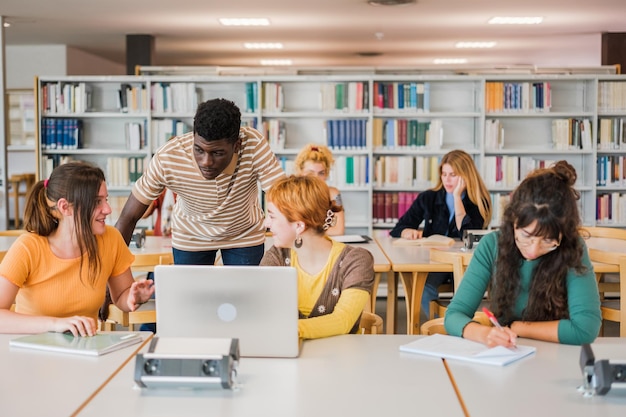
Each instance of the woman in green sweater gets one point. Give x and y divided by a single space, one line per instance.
536 269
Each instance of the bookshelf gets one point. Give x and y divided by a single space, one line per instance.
387 131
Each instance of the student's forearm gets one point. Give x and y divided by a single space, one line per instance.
540 330
11 322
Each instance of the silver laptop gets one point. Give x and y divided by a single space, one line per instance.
256 304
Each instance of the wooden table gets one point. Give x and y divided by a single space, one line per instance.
412 264
544 384
348 375
38 383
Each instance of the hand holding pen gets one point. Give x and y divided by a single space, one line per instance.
499 336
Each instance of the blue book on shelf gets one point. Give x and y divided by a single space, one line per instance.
413 96
400 98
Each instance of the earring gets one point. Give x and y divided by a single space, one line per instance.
298 242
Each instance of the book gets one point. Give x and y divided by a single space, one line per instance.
96 345
453 347
432 240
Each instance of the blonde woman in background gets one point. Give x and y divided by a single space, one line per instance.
317 160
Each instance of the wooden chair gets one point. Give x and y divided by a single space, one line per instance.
19 186
459 261
609 308
146 313
435 326
370 323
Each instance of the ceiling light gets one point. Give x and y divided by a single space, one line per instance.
245 22
390 2
6 24
450 61
263 45
515 20
276 62
475 45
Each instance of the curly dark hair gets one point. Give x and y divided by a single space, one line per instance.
548 197
217 119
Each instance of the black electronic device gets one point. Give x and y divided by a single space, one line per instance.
599 376
138 238
472 237
197 363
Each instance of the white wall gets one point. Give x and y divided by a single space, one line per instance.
23 63
80 62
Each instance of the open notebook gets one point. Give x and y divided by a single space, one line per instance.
96 345
452 347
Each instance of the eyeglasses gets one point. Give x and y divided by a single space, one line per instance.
545 244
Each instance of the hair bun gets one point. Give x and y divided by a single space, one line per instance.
565 172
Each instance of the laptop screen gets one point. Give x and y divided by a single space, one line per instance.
256 304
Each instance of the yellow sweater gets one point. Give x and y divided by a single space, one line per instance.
347 311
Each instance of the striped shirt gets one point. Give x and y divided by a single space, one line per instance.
212 214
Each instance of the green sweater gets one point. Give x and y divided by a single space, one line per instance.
583 298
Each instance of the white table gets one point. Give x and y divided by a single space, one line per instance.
350 375
37 383
540 385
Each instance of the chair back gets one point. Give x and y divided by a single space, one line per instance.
370 323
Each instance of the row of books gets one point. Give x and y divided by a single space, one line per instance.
517 97
133 98
163 130
407 134
570 134
406 171
135 134
274 132
611 133
346 133
402 96
611 208
567 134
347 172
52 161
64 98
390 207
174 97
499 201
611 170
509 171
252 97
345 96
611 96
123 171
61 133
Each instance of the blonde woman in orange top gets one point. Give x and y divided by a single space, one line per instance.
317 160
57 274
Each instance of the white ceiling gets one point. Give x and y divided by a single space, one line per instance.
323 32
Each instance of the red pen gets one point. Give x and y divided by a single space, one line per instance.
494 320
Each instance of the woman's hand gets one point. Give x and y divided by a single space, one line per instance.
139 293
411 234
501 337
460 187
78 325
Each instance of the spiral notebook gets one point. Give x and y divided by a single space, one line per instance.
96 345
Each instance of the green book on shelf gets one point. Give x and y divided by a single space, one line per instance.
96 345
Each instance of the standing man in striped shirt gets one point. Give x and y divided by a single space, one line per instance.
214 172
